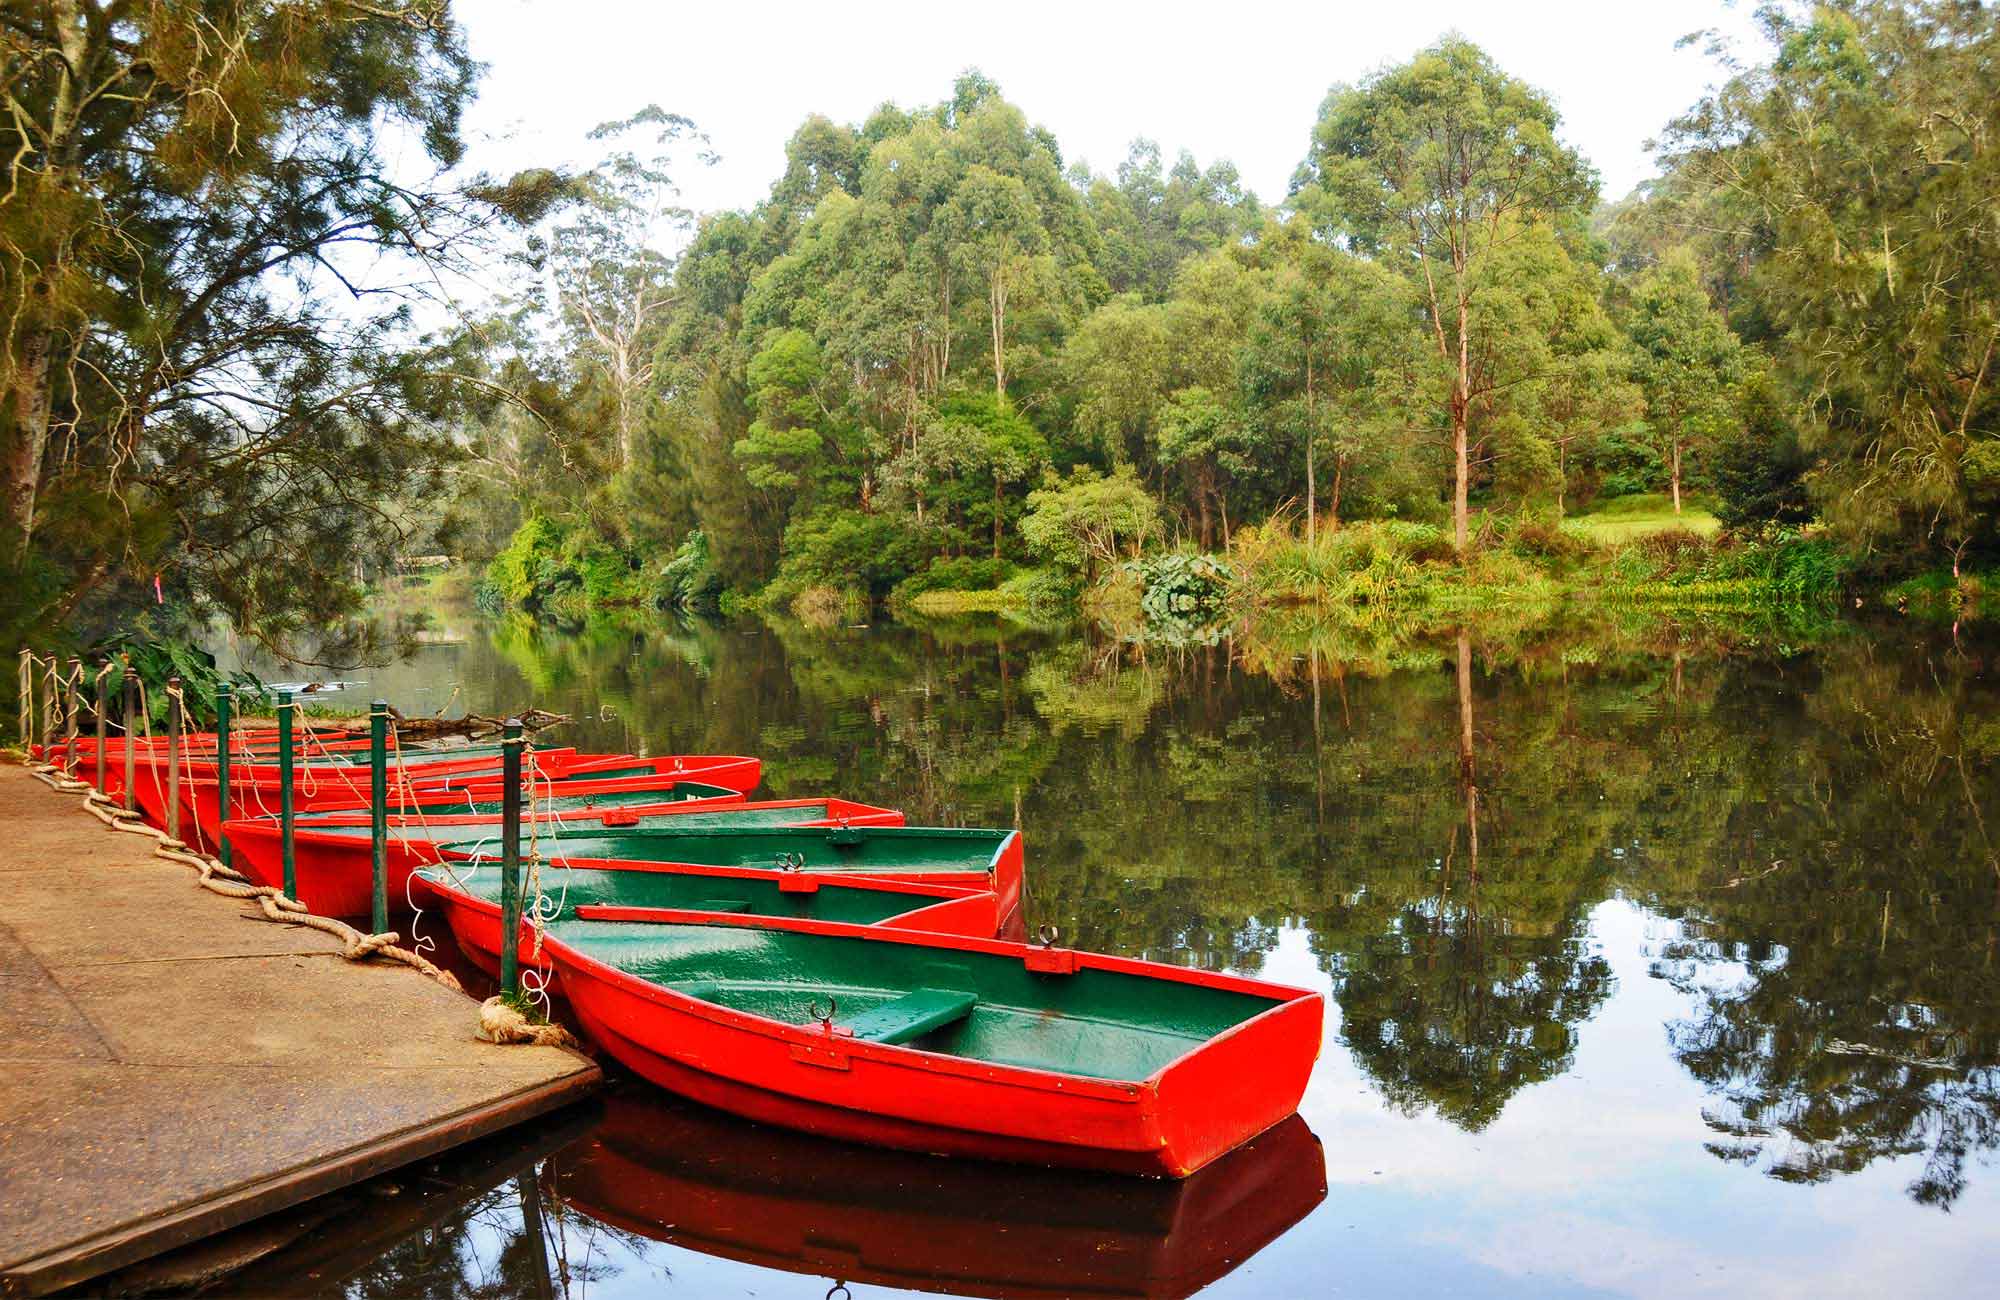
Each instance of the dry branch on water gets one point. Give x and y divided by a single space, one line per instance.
472 726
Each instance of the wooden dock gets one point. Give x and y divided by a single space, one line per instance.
170 1066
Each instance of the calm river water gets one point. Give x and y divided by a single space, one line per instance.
1658 962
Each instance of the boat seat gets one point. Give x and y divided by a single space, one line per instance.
911 1016
721 905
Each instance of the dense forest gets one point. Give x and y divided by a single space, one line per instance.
939 354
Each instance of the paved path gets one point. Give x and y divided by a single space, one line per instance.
170 1066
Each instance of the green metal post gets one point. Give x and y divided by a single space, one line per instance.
378 806
103 729
222 771
173 758
131 731
510 856
285 818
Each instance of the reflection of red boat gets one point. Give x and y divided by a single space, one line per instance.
698 1179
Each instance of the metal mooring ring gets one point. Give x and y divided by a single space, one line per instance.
825 1017
791 862
839 1289
1048 934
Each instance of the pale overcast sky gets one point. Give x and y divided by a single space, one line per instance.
1241 81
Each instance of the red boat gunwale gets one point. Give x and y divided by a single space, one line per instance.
475 921
1157 1137
1002 873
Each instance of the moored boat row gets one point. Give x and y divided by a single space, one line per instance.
810 962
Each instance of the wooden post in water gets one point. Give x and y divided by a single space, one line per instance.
173 758
103 729
131 730
285 817
378 807
221 771
510 857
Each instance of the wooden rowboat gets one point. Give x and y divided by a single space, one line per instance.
969 858
669 1171
469 896
333 851
341 780
943 1043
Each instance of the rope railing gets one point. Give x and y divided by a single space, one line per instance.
210 873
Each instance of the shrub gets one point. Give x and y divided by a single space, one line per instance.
688 580
1180 586
955 573
842 548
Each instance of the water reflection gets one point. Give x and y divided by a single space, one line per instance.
1434 827
677 1173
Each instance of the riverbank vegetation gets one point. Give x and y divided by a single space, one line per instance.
943 360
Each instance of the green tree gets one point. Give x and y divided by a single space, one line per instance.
1432 167
1865 157
198 378
1329 323
1687 362
1080 523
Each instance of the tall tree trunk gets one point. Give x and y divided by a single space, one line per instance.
30 435
1312 438
1461 402
999 305
1677 476
996 516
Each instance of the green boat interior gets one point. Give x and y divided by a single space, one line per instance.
912 849
982 1006
756 896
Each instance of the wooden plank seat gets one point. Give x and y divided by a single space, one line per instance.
913 1015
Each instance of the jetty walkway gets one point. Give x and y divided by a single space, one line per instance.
172 1065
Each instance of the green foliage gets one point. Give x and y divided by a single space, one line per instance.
1182 587
160 658
689 580
1080 523
962 573
1759 467
1859 159
842 549
188 389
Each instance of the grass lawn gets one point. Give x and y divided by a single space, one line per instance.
1623 518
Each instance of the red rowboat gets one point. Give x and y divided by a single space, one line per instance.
943 1043
470 899
333 852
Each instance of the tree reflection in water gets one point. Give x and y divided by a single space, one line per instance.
1810 813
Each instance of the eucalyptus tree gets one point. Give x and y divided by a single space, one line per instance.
1864 156
612 282
1687 362
1330 322
1431 168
